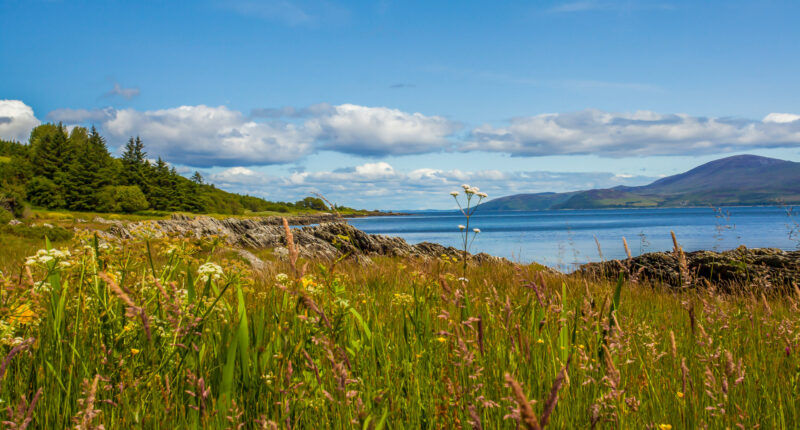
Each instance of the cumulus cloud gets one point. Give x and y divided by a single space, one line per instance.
377 131
126 93
206 136
16 120
371 184
641 133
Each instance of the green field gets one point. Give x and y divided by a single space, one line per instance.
146 334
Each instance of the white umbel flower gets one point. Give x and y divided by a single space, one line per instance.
454 193
210 270
476 230
462 227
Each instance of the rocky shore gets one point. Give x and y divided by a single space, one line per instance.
766 268
330 239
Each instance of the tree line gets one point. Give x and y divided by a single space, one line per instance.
74 170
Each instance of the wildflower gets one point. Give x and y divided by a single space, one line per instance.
282 277
134 351
665 427
441 339
22 314
482 195
454 193
679 394
539 341
210 271
465 187
462 227
476 230
470 191
401 299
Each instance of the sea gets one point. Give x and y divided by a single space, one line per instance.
565 239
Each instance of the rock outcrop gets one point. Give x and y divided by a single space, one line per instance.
328 240
765 267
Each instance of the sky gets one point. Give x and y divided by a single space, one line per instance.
391 105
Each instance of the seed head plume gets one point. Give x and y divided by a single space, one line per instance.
525 410
552 400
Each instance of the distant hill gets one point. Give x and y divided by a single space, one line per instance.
737 180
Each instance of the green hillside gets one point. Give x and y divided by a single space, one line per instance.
74 171
737 180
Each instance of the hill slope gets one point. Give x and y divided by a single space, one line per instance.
737 180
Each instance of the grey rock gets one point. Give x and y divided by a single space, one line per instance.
328 240
767 268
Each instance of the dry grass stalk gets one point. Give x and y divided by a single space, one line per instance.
525 410
131 309
291 246
552 400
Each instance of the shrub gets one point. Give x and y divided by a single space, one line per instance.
121 198
55 234
5 216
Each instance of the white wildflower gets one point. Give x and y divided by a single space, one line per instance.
482 195
465 186
462 227
282 278
454 193
210 270
476 230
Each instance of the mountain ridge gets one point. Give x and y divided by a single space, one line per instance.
736 180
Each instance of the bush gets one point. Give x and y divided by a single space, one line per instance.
121 198
55 234
5 216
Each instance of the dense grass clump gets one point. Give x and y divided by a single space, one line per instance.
179 333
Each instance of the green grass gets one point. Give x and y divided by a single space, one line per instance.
396 344
5 159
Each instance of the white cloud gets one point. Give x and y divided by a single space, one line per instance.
381 131
781 118
379 184
16 120
205 136
641 133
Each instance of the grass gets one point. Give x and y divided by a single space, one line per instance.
143 334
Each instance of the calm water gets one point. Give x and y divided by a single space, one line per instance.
563 239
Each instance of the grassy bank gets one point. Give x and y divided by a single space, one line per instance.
181 334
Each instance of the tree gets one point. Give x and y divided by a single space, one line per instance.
312 203
197 178
121 198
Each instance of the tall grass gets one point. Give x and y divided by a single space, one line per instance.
178 333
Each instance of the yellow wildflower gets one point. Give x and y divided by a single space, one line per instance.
540 340
441 339
665 427
22 314
679 394
134 351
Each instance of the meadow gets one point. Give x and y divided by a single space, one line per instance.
180 333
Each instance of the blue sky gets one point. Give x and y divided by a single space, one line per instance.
392 104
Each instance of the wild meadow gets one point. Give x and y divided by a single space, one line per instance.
180 332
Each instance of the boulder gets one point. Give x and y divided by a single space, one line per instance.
764 267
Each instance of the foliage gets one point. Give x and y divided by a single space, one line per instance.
5 216
60 170
178 333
